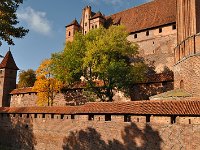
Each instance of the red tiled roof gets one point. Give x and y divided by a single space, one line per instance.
167 107
97 15
74 22
8 62
149 15
22 91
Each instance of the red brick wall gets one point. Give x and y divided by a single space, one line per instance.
58 134
188 72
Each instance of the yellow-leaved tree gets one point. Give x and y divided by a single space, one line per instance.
46 85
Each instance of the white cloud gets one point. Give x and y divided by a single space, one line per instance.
36 20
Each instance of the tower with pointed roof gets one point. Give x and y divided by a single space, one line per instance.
71 29
8 74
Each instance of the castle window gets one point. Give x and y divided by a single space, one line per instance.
69 33
27 116
135 36
147 33
72 116
160 30
92 27
35 115
91 117
43 115
173 27
189 121
107 117
85 32
173 119
95 26
181 84
86 24
52 116
62 116
127 118
148 118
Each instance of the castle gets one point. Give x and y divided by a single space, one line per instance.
168 34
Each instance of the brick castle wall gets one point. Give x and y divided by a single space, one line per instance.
187 73
40 132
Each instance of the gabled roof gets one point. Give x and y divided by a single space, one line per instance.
22 91
74 22
8 62
97 15
158 107
149 15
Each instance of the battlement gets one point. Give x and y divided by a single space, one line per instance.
165 112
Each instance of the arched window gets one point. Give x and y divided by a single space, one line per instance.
69 33
181 84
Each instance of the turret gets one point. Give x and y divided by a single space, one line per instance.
8 75
71 29
97 20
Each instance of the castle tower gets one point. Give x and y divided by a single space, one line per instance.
187 59
85 22
71 29
8 74
97 20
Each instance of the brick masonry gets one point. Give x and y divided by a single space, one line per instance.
42 133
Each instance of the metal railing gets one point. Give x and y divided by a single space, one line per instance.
187 48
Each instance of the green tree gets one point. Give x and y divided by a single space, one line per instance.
107 56
8 21
27 78
67 65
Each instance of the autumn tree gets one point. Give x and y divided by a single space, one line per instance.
46 85
27 78
8 21
101 55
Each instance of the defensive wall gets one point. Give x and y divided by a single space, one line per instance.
131 125
186 68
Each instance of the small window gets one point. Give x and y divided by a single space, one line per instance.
92 27
35 115
86 24
160 30
189 121
90 117
127 118
62 116
147 33
138 119
173 27
72 116
173 119
52 116
135 36
85 32
148 118
1 71
20 115
107 117
69 33
43 115
181 84
95 26
27 116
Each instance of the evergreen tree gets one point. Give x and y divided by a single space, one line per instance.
8 21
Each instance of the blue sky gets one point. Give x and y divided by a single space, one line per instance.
46 20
